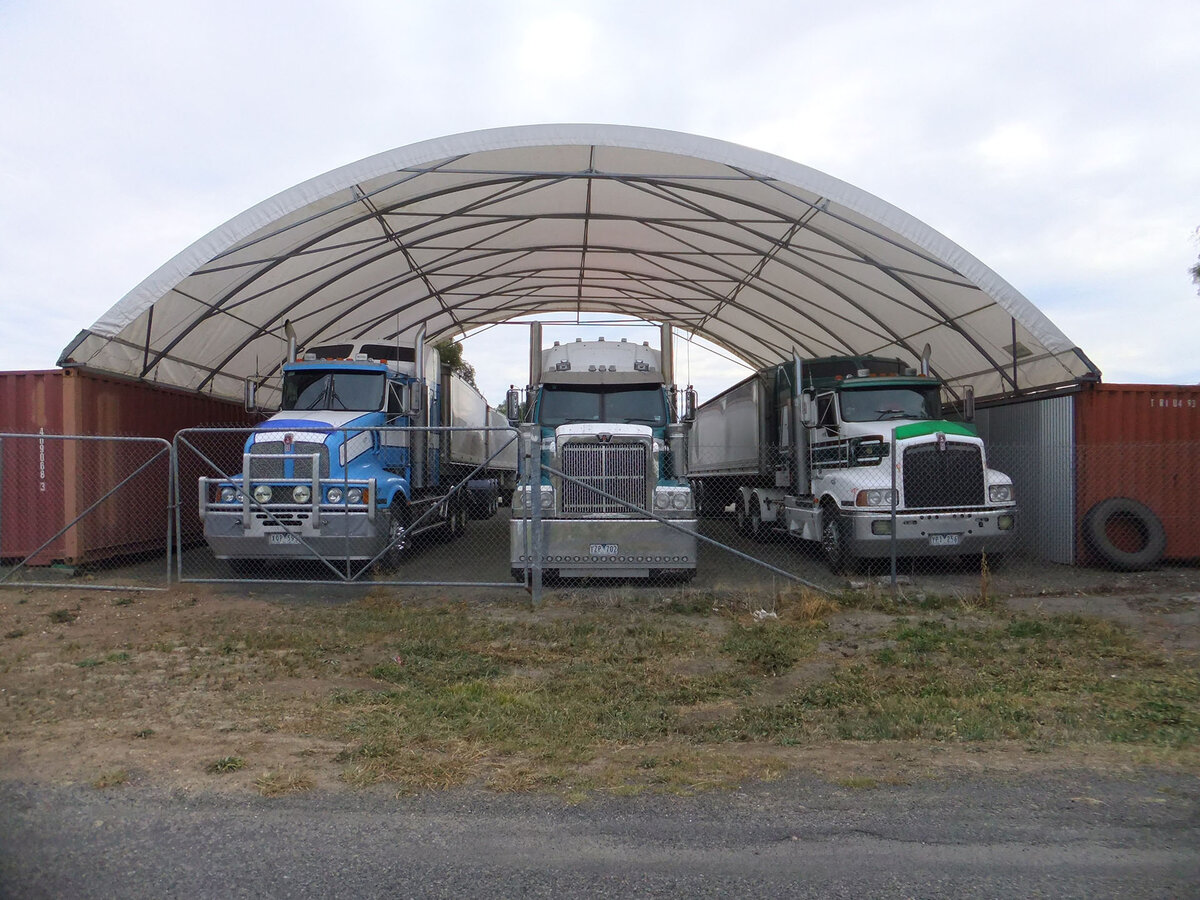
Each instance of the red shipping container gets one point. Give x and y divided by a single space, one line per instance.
1141 441
47 483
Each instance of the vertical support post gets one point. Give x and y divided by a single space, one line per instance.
172 507
895 498
179 496
535 521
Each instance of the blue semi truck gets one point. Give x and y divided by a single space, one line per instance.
369 450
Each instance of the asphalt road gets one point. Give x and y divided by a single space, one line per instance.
1066 836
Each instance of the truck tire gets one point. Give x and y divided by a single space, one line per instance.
399 543
835 542
1124 533
755 527
741 516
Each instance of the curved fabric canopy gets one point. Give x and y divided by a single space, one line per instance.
753 252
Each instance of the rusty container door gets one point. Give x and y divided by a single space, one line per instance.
1142 441
32 479
79 473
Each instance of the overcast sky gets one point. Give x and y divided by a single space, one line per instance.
1058 142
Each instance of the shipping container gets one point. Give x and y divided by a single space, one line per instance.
1141 441
46 483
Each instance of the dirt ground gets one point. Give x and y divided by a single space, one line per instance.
67 714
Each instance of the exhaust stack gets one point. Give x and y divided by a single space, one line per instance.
535 354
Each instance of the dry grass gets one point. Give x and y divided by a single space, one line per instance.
609 693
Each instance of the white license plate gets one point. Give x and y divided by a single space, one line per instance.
944 540
604 550
284 538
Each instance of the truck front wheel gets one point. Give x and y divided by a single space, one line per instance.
835 542
399 543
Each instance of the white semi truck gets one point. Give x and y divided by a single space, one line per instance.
850 452
612 500
374 444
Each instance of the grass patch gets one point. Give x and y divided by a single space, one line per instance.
225 764
62 616
274 784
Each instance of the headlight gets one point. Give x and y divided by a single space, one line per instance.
661 499
334 495
262 493
679 499
301 493
547 498
1001 493
228 494
354 495
877 497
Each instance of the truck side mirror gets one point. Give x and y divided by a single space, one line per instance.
689 404
416 391
512 404
808 413
251 395
969 403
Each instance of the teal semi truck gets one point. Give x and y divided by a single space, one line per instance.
373 445
612 498
846 452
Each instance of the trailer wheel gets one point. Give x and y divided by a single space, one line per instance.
1126 534
399 544
756 528
461 514
835 542
741 516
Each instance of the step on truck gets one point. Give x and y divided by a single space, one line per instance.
612 499
850 452
369 450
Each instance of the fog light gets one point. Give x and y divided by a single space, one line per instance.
881 526
334 495
301 493
354 495
1004 523
228 495
262 493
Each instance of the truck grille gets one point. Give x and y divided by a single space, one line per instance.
268 467
935 479
617 469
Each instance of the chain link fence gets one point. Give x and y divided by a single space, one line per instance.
72 503
1013 519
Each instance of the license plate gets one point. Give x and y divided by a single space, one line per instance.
944 540
604 550
284 538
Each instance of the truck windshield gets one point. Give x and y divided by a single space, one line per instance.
876 404
323 389
640 404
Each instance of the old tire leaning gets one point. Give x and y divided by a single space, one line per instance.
1125 534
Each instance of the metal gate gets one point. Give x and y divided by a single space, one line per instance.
68 501
384 505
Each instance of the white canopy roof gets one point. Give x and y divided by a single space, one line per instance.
753 252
